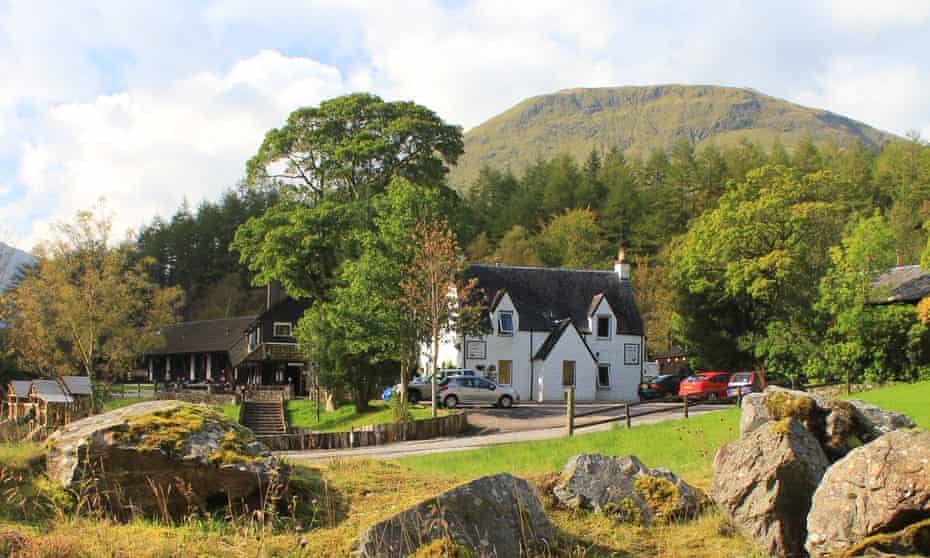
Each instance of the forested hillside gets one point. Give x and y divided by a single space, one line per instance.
640 119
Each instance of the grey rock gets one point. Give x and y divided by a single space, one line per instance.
494 516
753 413
129 459
880 421
764 482
611 485
880 487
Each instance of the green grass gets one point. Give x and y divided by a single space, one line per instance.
112 404
911 399
301 413
20 455
687 447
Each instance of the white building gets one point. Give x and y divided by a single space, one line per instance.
551 328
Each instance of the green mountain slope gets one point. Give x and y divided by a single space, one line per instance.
640 119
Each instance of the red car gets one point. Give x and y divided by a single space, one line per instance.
709 386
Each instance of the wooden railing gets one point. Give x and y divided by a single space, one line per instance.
627 416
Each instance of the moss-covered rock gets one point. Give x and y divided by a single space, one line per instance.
162 458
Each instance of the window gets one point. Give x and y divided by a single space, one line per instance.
504 369
505 323
282 329
603 375
568 373
603 327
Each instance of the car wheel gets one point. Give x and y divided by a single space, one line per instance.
712 396
413 396
505 402
451 402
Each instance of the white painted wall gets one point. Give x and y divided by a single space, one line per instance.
569 347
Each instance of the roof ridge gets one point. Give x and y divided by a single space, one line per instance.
539 268
250 317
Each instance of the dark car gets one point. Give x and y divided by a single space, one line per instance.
705 386
660 387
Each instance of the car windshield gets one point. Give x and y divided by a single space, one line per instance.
741 378
692 379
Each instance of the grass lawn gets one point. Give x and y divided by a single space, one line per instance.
301 413
111 404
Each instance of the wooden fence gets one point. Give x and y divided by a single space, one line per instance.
628 415
372 435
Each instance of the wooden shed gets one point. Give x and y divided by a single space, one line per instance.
18 402
53 406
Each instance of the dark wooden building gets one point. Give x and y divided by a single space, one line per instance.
672 361
258 350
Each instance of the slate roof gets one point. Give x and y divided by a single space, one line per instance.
77 385
51 392
907 283
20 387
202 336
544 296
553 339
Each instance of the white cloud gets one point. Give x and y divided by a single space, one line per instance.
869 16
147 149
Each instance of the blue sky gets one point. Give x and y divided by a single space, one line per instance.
145 104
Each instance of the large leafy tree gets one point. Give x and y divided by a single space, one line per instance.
745 273
86 306
355 145
573 240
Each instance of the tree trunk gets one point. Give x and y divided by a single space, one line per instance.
360 397
435 358
403 383
330 397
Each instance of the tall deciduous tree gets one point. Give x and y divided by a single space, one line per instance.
573 240
86 306
432 290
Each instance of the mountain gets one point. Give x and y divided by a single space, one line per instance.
640 119
11 260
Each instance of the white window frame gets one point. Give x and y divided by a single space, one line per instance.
599 384
290 329
597 326
500 330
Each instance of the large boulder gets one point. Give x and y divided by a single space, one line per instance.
625 488
839 426
497 515
880 487
764 482
162 457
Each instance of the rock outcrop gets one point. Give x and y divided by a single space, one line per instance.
839 426
625 488
497 515
764 482
881 487
162 457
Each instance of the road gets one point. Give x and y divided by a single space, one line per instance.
523 423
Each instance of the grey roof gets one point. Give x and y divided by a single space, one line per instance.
553 339
50 391
544 296
907 283
202 336
77 385
19 387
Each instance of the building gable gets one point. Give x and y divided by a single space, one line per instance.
566 332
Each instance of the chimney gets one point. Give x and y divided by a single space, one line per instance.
621 267
274 294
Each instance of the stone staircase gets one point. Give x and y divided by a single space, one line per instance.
265 418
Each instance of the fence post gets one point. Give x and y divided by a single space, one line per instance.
626 410
685 403
570 410
739 399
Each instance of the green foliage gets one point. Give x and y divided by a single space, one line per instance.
573 240
516 248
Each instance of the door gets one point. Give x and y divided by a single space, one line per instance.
505 372
466 390
485 391
568 373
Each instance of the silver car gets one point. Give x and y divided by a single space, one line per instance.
472 390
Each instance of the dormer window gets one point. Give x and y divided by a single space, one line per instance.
603 327
282 329
505 323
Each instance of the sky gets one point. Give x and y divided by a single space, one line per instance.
147 104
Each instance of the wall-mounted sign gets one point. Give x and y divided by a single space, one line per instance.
630 353
476 350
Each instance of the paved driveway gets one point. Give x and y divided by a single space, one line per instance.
522 423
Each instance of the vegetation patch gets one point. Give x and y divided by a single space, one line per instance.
444 548
661 495
781 405
233 449
912 540
626 511
167 430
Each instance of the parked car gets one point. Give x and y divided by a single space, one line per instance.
744 383
472 390
660 387
705 386
420 387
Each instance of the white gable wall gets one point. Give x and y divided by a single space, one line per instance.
569 347
624 377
